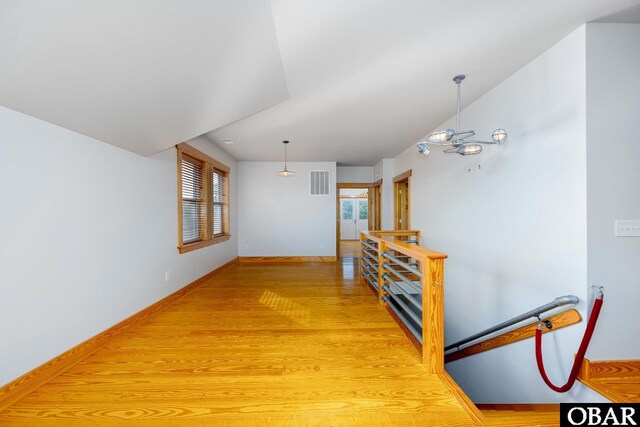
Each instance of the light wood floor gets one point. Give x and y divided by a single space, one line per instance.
260 344
349 248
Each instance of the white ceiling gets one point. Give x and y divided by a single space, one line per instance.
142 75
369 78
625 16
361 80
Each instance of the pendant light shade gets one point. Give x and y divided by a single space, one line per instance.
285 172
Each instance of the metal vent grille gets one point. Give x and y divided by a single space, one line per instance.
319 183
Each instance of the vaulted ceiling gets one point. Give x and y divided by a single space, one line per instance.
351 81
143 75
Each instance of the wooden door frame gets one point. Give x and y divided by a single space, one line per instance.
397 181
369 187
376 222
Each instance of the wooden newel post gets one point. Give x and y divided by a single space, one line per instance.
433 314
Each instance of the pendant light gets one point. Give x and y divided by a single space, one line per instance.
285 172
456 138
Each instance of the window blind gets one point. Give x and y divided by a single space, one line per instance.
193 210
203 200
219 202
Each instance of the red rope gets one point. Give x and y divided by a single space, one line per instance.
591 325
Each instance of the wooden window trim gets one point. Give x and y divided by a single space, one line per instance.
202 244
197 154
210 165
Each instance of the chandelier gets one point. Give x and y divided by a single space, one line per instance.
457 139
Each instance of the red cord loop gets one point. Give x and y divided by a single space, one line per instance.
591 325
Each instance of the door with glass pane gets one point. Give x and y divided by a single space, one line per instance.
348 219
362 211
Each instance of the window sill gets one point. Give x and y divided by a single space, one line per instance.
197 245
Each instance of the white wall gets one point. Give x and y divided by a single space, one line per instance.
278 217
512 221
613 161
355 174
88 232
384 170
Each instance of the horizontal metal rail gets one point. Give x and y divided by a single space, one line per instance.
402 317
369 254
416 286
372 282
406 266
365 272
370 264
536 312
412 299
370 277
413 264
404 305
404 272
370 246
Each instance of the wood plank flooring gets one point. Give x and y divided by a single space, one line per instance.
350 248
617 380
258 345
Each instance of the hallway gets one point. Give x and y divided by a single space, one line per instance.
258 344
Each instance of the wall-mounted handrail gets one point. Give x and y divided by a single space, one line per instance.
557 321
558 302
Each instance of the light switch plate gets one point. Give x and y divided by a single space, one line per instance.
628 228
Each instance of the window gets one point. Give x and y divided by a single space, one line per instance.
363 208
203 200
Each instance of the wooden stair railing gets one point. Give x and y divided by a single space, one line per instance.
426 271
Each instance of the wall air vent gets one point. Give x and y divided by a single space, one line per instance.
319 183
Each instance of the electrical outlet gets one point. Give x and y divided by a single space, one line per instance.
627 228
166 276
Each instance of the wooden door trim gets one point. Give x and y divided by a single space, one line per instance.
397 181
368 186
403 176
